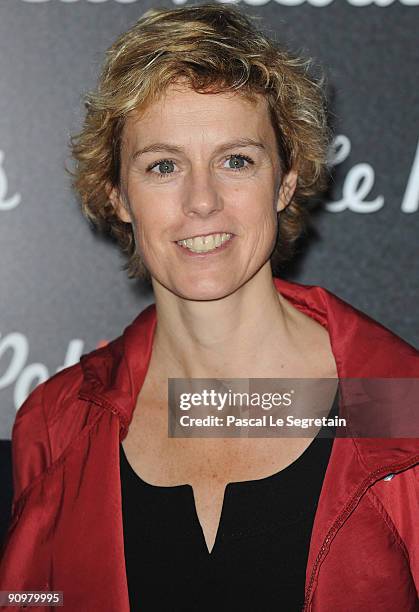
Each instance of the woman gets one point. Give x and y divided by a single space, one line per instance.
202 137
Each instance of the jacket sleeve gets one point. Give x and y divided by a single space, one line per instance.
400 497
409 525
31 453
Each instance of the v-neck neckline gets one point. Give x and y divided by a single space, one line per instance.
235 488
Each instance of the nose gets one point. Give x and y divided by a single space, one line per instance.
202 197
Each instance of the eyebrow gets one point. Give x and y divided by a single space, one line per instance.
171 148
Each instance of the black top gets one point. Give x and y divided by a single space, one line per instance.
260 553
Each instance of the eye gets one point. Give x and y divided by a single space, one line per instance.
236 162
165 166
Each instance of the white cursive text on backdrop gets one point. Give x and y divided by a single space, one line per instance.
360 180
5 202
25 377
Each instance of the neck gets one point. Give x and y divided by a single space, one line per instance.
233 337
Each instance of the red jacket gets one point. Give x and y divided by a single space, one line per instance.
67 533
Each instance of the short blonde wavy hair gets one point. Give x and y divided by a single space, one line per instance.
215 48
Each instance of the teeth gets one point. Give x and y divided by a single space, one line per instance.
203 244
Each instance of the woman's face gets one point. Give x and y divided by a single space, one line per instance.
202 168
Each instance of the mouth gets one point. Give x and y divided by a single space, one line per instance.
204 244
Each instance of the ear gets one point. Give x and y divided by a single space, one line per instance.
118 204
287 189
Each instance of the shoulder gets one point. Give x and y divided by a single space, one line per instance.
48 421
363 345
40 408
32 450
377 349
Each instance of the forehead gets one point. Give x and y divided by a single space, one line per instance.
181 113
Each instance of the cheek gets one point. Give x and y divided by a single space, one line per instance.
150 210
257 208
154 222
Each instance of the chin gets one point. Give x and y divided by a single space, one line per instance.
203 288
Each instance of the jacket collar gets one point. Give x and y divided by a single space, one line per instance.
114 374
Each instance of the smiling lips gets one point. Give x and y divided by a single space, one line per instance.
204 244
